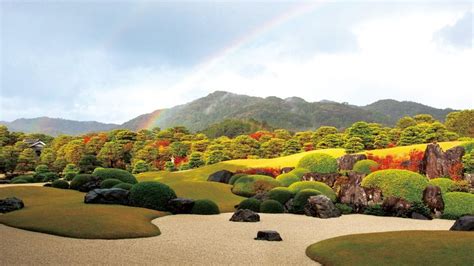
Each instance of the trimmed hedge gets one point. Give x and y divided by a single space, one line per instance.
458 204
47 177
109 183
376 210
320 186
319 163
26 178
108 173
444 183
151 195
271 206
299 172
79 180
280 194
301 198
19 181
206 207
250 204
399 183
365 166
246 185
287 179
234 178
126 186
63 184
344 208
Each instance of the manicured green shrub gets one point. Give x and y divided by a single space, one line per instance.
376 210
109 183
287 179
42 168
107 173
234 178
184 166
26 178
421 208
344 208
126 186
399 183
205 206
151 195
319 163
249 185
365 166
69 175
280 194
460 186
250 204
19 181
47 177
444 183
301 198
457 204
320 186
63 184
271 206
299 172
79 180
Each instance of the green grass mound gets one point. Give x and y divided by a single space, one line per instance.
271 206
301 198
457 204
280 194
63 184
23 179
319 186
151 195
108 173
80 180
109 183
250 204
319 163
365 166
444 183
206 207
287 179
234 178
299 172
125 186
399 183
250 185
396 248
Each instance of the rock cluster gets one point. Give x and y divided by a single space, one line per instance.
347 161
437 163
11 204
268 235
245 215
222 176
180 206
107 196
465 223
322 207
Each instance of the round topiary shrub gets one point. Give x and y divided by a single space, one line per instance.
109 183
280 194
250 185
399 183
299 172
271 206
25 178
444 183
151 195
301 198
19 181
69 175
287 179
250 204
234 178
319 186
126 186
344 208
79 180
42 168
205 206
319 163
458 204
47 177
365 166
63 184
108 173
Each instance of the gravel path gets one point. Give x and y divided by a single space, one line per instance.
205 240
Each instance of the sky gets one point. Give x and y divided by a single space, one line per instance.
111 61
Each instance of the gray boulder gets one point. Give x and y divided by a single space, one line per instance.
107 196
245 215
322 207
346 162
465 223
268 235
180 206
11 204
433 199
222 176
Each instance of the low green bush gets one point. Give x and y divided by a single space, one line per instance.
19 181
250 204
79 180
47 177
151 195
421 208
69 175
365 166
206 207
234 178
320 186
287 179
280 194
63 184
301 198
458 204
319 163
126 186
42 168
26 178
109 183
444 183
399 183
299 172
376 210
108 173
271 206
344 208
249 185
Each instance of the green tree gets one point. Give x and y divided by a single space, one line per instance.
304 136
140 166
405 122
424 118
381 141
461 122
215 157
26 160
468 162
8 159
179 149
73 151
196 160
292 146
70 171
111 154
244 146
144 135
200 145
411 135
354 145
321 132
435 132
272 148
169 166
94 145
4 136
331 141
88 163
282 134
364 131
47 157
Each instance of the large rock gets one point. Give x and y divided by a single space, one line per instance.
433 199
395 206
346 162
92 184
465 223
11 204
288 206
328 179
222 176
322 207
437 163
107 196
245 215
285 170
374 196
180 206
268 235
351 193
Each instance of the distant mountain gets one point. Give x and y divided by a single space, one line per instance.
291 113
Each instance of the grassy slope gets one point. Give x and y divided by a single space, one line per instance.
63 212
396 248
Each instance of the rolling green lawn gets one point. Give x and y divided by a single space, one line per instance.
396 248
63 212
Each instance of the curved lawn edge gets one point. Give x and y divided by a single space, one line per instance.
395 248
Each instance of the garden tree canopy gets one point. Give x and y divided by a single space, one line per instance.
461 122
364 131
322 132
88 163
111 154
411 135
282 134
354 145
331 141
8 159
26 160
292 146
405 122
47 157
244 146
424 118
73 151
196 160
272 148
179 149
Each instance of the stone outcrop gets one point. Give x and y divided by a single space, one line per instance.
245 215
322 207
396 206
11 204
107 196
285 170
346 162
437 163
351 193
268 235
465 223
222 176
180 206
328 179
374 196
92 184
433 199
